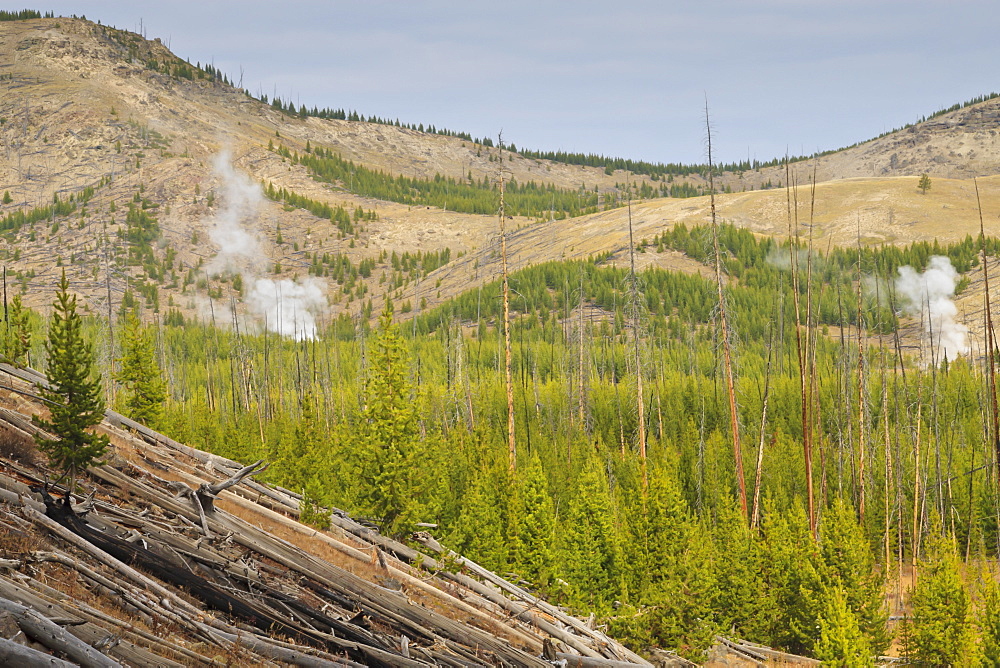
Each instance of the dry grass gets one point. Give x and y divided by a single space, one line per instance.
85 99
19 447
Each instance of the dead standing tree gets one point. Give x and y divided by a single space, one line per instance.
511 443
802 350
635 306
724 326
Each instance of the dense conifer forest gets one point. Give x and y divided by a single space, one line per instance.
404 421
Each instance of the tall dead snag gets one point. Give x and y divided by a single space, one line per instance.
861 390
803 358
755 517
511 443
812 379
581 399
726 349
991 378
634 306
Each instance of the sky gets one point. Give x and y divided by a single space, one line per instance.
619 79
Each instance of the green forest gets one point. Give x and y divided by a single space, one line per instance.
861 465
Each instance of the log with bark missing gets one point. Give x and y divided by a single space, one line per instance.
179 557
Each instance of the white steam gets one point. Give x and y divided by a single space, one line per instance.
928 295
286 306
240 198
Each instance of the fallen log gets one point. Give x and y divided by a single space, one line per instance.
577 661
391 605
14 654
44 631
103 620
531 642
519 611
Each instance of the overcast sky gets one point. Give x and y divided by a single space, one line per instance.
627 79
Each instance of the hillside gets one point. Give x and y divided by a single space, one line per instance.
242 581
88 106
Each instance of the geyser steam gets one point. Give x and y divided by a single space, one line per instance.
288 307
929 295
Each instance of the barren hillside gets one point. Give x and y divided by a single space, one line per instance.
87 106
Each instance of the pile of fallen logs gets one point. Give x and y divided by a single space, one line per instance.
179 557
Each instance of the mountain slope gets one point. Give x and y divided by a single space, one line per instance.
88 106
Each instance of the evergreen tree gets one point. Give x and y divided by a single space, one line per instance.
74 396
388 433
17 334
924 184
298 460
989 620
145 391
588 554
792 574
941 627
481 529
851 570
534 524
841 641
742 604
669 575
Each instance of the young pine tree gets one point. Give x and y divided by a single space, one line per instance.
388 433
534 524
941 632
17 334
988 619
842 641
75 398
481 532
145 392
851 568
589 552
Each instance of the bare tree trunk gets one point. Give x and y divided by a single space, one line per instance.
755 518
861 391
793 249
724 325
511 443
991 377
635 307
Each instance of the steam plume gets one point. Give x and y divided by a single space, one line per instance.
239 249
929 295
288 307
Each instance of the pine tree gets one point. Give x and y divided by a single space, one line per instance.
924 184
481 530
792 576
841 641
988 620
743 604
850 568
669 577
388 433
74 396
941 629
17 335
297 462
534 524
145 391
589 551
